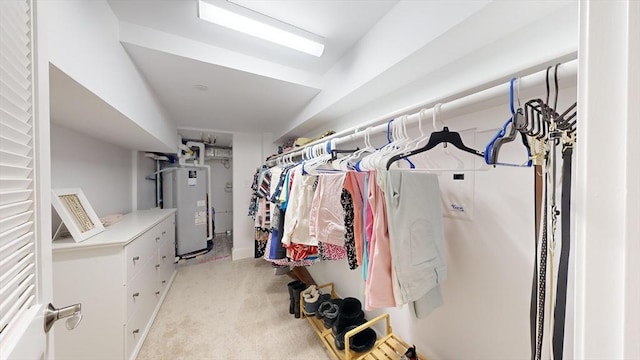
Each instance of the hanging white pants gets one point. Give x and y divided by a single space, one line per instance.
416 234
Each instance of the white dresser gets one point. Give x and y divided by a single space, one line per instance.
120 277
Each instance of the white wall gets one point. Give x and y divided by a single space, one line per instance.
490 255
552 39
421 39
222 200
84 43
608 196
145 189
247 156
103 171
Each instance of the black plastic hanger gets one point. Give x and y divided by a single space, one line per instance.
335 152
517 121
438 137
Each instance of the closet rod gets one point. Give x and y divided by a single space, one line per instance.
529 82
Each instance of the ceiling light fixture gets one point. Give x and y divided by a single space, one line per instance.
241 19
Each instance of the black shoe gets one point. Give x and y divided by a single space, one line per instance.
363 341
324 306
330 315
297 289
340 324
350 313
339 338
290 287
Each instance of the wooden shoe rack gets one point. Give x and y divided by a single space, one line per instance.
387 347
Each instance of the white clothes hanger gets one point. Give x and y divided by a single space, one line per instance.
349 162
394 128
322 156
398 146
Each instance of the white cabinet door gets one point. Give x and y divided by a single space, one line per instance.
25 254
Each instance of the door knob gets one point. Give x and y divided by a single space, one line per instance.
73 313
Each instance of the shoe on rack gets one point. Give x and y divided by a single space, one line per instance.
310 291
339 338
311 303
410 354
350 313
290 286
324 306
297 290
330 315
363 341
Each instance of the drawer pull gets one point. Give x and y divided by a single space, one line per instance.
164 233
157 266
157 238
136 294
164 282
136 258
157 292
164 257
136 331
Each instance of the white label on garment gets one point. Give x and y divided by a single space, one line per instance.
201 217
201 203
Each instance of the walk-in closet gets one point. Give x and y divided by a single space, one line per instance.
303 179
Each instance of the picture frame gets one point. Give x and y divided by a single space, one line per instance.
76 213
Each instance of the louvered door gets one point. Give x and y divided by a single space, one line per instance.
21 329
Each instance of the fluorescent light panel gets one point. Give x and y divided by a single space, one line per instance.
241 19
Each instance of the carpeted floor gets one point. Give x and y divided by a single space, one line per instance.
223 309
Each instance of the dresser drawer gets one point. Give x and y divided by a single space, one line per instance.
139 251
166 257
134 331
141 297
167 231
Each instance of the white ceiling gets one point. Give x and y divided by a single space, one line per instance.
373 47
340 23
235 100
253 85
73 105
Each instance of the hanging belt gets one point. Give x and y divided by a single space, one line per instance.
538 157
561 300
542 281
533 312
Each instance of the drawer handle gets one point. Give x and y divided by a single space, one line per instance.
157 238
164 233
136 331
136 258
164 257
157 292
136 294
164 282
157 266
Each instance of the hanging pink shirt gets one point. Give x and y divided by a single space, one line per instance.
379 285
326 218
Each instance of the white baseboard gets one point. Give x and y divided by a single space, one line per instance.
242 253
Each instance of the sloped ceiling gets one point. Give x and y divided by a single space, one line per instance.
373 47
252 85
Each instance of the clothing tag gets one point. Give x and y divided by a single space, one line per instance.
457 198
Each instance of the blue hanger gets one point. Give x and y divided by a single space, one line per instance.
493 147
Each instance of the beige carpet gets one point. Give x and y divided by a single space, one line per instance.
223 309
